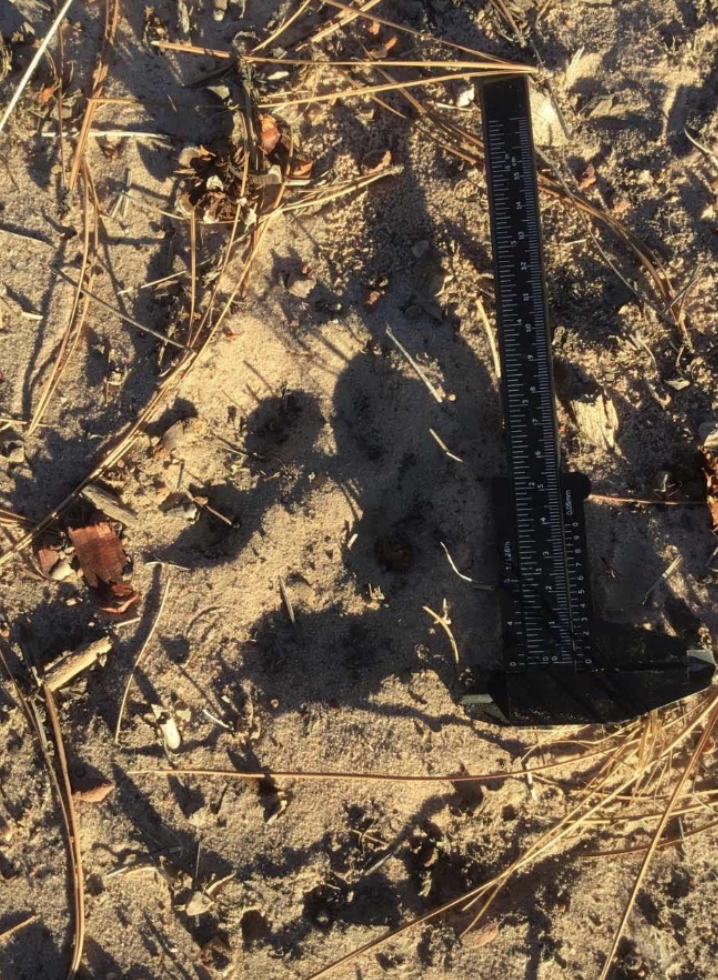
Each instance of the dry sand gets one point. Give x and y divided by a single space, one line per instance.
337 427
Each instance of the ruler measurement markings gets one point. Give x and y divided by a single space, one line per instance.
541 553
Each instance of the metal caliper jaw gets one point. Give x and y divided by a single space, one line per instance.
619 671
636 671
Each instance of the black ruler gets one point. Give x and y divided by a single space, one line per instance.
560 663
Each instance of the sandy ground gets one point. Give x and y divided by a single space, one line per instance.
341 465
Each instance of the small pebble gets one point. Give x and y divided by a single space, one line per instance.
14 452
466 96
199 817
61 571
419 249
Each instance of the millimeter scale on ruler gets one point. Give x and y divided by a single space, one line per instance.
561 664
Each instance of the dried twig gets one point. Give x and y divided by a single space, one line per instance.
287 602
9 933
445 623
73 663
68 811
644 501
465 578
400 347
442 445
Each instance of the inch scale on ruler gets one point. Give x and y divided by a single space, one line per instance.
561 664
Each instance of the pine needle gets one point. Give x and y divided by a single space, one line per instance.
138 660
36 59
285 25
74 324
290 99
73 834
658 833
98 77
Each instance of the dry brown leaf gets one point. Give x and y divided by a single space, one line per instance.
103 559
92 794
375 161
301 168
46 94
116 598
269 133
621 206
588 178
382 50
100 553
47 558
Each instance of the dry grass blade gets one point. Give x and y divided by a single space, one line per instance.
193 277
505 12
341 21
283 26
123 316
645 502
68 810
36 59
377 63
282 100
649 262
9 518
377 776
63 790
193 49
445 623
138 660
489 331
203 335
333 192
490 64
402 350
60 104
709 154
692 762
112 15
642 848
547 843
9 933
74 323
